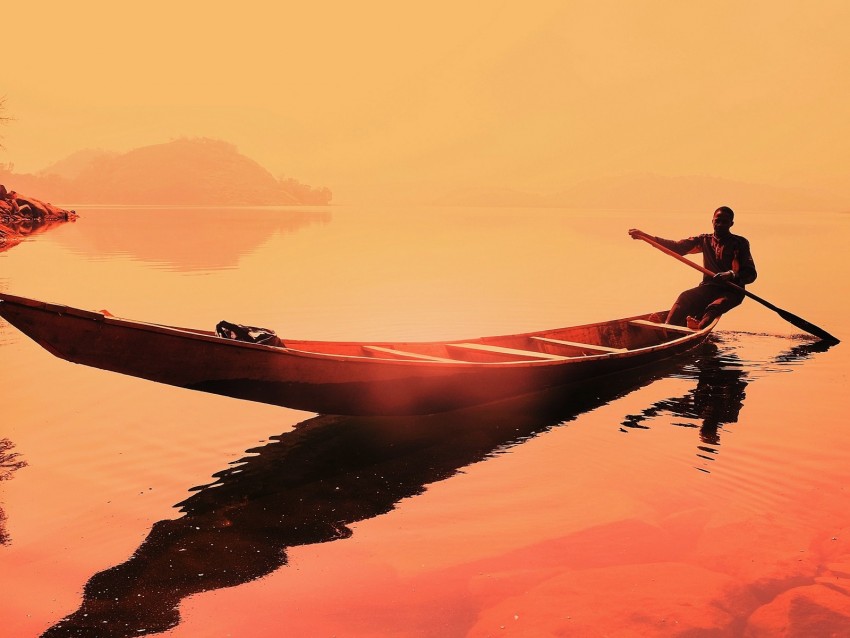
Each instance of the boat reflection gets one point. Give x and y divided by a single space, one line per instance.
305 486
309 484
717 398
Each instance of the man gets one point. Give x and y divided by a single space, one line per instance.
723 253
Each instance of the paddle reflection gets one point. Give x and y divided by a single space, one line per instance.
717 398
309 484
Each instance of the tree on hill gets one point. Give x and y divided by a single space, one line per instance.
305 193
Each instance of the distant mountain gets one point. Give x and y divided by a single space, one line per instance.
76 163
182 172
655 192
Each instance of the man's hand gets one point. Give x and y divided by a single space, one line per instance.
728 275
637 234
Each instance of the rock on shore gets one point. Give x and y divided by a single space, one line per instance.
21 216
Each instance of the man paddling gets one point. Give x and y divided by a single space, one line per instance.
723 253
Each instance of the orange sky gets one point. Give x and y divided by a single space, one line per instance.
381 100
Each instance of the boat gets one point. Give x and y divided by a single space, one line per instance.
353 378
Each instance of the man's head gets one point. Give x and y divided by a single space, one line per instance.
722 221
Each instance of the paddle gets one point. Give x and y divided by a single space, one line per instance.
793 319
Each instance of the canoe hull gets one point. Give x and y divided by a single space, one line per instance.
299 379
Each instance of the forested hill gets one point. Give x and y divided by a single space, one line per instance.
181 172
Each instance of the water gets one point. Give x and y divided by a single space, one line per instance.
710 500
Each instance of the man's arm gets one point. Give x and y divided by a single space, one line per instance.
680 247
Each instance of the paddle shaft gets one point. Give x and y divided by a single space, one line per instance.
789 317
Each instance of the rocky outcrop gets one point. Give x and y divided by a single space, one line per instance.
22 216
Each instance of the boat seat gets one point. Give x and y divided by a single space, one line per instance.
662 326
402 354
530 354
581 346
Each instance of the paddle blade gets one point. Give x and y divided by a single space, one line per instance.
807 326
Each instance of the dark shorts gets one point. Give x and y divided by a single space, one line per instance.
708 299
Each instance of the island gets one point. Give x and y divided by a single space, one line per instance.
182 172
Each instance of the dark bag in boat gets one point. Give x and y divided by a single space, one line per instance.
251 334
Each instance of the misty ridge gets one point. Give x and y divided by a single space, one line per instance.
208 172
649 191
197 171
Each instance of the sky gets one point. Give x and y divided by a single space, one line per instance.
392 101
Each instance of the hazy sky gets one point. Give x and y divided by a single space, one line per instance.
382 99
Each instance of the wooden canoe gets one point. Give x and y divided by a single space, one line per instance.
353 378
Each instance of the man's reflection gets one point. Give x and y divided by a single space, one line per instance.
717 398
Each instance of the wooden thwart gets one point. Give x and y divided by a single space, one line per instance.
663 326
403 354
581 346
531 354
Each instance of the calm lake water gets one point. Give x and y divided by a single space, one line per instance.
711 500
